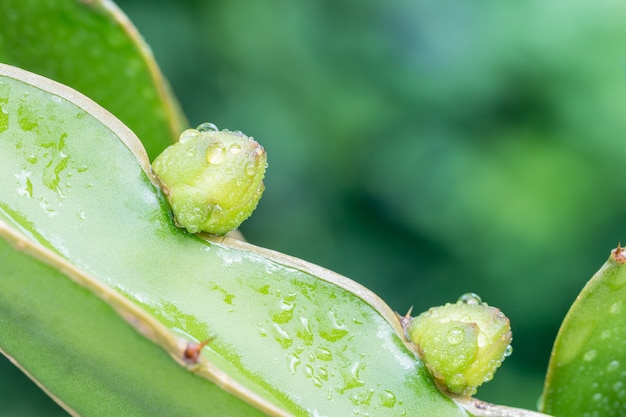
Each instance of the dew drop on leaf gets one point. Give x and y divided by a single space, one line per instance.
235 148
616 308
323 354
387 399
590 355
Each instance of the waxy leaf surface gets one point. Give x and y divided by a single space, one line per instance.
87 357
587 371
288 337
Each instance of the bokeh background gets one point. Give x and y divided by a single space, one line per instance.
424 148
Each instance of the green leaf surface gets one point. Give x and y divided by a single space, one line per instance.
587 371
87 357
93 47
289 337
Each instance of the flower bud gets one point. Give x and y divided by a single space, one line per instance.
213 179
461 344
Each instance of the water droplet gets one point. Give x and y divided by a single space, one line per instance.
323 354
310 373
331 328
262 331
455 335
43 203
363 397
216 153
616 308
387 399
617 386
32 159
282 337
470 298
188 135
207 127
191 152
351 377
304 332
590 355
285 314
613 366
597 396
323 373
24 184
508 351
4 119
294 361
250 169
457 379
605 334
235 148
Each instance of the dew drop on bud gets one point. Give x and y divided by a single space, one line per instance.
508 351
250 169
188 135
455 335
470 298
215 153
207 127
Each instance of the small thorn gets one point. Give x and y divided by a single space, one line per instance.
406 319
192 351
618 254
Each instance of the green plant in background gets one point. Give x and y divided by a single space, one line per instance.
86 226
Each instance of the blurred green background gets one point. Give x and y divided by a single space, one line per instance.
423 148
